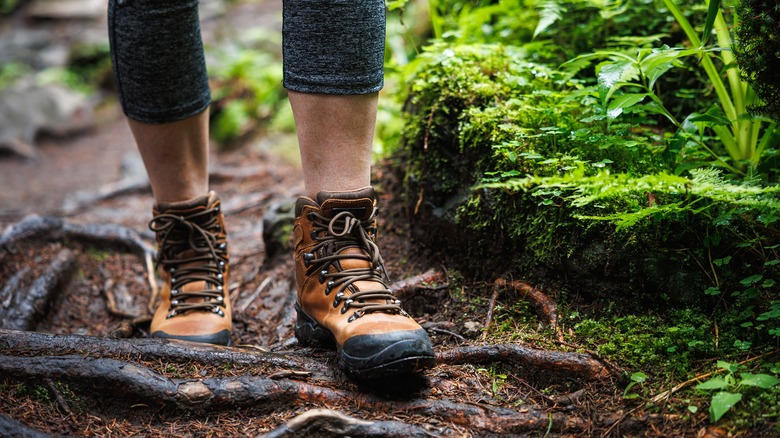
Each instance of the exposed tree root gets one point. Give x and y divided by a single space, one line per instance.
319 422
578 365
23 307
57 228
10 427
128 381
31 343
405 286
545 305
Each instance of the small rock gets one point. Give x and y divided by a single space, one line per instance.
277 226
27 109
472 329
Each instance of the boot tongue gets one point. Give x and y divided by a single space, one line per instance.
360 203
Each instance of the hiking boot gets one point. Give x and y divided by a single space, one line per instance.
342 296
193 262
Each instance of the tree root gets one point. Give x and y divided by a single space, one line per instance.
11 427
123 380
545 305
579 365
32 343
23 308
319 422
404 287
57 228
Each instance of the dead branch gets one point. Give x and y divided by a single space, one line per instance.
319 422
23 308
545 305
578 365
57 228
30 343
128 381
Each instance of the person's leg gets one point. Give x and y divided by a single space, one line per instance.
335 133
333 58
160 72
176 156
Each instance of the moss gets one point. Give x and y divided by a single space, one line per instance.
651 343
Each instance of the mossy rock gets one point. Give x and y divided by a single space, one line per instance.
509 168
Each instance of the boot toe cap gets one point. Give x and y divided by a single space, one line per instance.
396 352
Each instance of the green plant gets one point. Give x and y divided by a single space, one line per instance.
732 387
637 378
635 73
758 52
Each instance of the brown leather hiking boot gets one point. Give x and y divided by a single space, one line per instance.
194 265
342 297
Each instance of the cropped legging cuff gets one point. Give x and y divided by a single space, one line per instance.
333 46
157 57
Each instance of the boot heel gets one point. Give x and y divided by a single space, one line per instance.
310 333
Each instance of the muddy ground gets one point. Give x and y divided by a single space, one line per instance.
101 376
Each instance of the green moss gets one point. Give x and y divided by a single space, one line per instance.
650 343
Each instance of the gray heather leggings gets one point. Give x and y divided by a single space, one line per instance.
329 47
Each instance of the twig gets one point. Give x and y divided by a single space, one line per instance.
489 318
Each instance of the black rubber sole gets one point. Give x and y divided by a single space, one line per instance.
220 338
370 356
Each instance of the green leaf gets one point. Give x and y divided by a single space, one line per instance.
548 14
712 13
763 381
611 74
713 116
728 366
639 377
753 279
721 403
620 103
712 291
713 383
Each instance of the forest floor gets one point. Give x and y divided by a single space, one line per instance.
78 362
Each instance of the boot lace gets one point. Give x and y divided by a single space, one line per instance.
344 231
190 250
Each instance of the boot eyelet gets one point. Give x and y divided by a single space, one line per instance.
313 235
172 269
174 292
310 216
307 258
338 298
329 287
217 310
217 227
323 273
171 314
219 288
221 263
173 280
174 302
219 276
223 245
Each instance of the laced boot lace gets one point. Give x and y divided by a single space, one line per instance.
189 249
335 234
